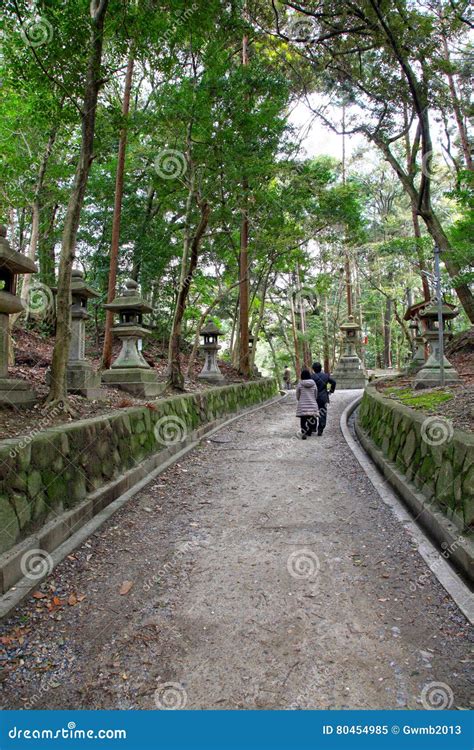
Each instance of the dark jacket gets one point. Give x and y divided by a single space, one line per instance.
322 379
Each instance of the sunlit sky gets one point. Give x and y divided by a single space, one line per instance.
319 139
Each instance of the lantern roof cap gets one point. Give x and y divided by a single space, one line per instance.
210 329
79 286
11 259
448 311
130 299
350 325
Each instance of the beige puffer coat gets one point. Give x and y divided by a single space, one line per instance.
306 393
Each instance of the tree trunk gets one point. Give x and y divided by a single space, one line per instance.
387 334
114 246
466 146
326 362
175 376
36 211
200 324
244 363
98 9
294 330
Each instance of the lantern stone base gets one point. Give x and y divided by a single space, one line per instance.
16 393
212 377
429 375
138 382
350 373
84 380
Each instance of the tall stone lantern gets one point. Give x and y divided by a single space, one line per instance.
210 347
350 372
130 371
81 376
255 369
429 375
13 392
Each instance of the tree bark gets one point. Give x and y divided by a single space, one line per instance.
175 376
114 246
98 9
244 362
200 324
465 145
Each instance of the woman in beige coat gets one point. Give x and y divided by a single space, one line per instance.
307 406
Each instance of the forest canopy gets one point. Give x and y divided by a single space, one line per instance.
159 142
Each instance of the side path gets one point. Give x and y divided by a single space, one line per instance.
261 572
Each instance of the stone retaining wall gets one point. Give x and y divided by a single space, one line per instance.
45 474
436 458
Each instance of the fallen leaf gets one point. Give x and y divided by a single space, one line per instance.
39 595
125 587
72 600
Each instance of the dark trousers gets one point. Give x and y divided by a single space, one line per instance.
308 425
323 414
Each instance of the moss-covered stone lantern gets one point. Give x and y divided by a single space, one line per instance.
350 372
81 376
13 392
430 374
255 369
210 347
130 371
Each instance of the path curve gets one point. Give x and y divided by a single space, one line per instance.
266 572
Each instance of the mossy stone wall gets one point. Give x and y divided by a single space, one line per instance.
438 459
41 475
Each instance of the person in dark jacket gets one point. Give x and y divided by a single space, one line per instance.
322 380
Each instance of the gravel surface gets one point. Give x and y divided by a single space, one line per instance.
260 572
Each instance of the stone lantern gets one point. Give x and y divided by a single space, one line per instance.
417 325
255 369
429 375
418 359
13 392
350 372
130 371
210 347
81 376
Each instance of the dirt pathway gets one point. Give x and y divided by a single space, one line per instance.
266 573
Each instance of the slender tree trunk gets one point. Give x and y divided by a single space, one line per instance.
200 324
387 334
294 331
433 226
36 211
191 247
326 363
114 246
98 9
257 327
466 146
244 362
47 260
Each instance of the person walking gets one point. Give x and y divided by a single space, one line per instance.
322 380
307 406
287 378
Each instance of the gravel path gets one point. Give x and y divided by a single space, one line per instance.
261 572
